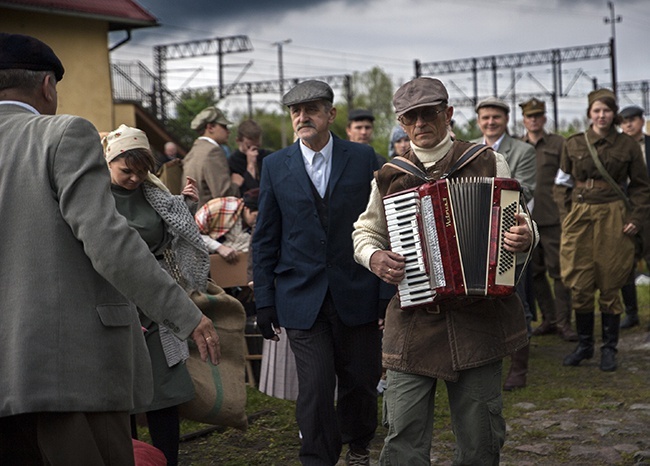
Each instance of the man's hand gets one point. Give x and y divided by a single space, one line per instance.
520 237
267 321
207 340
388 265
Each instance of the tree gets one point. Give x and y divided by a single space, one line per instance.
373 90
191 103
468 132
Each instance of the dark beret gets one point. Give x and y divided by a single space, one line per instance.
20 52
631 112
360 114
308 91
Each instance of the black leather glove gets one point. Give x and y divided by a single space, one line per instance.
267 320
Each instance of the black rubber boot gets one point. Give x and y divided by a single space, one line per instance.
610 323
585 348
631 318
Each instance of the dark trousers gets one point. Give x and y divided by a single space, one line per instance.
328 353
66 439
164 429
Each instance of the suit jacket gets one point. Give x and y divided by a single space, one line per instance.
72 340
295 260
521 160
208 165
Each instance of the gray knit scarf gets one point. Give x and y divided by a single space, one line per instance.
187 257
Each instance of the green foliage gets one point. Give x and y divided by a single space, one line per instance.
191 103
582 395
468 132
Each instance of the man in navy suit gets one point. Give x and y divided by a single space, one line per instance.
306 279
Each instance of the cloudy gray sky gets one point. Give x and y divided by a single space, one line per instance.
332 37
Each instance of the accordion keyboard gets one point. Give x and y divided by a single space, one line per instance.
402 212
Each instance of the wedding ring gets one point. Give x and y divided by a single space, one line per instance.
389 270
208 338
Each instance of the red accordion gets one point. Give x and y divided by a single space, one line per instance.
451 234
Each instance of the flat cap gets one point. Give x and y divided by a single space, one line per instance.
360 114
210 114
20 52
631 112
308 91
419 92
533 107
493 102
600 94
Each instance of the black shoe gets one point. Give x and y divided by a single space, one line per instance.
608 360
579 354
630 320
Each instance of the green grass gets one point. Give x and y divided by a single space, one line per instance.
272 436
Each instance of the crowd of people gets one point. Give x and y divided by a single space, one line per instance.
111 313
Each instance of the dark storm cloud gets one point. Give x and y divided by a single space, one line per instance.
181 13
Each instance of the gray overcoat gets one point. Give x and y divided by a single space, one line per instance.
69 269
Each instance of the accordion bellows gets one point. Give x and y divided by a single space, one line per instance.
451 234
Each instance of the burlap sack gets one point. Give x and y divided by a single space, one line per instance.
220 390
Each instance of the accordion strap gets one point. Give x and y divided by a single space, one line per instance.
405 165
470 154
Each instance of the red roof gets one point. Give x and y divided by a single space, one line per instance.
121 14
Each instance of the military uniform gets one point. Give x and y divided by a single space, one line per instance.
556 310
595 254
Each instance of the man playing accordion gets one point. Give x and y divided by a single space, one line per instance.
461 340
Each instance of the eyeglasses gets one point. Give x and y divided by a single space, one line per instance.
425 114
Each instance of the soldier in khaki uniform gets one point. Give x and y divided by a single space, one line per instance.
597 248
556 310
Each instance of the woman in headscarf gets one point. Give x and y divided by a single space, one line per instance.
609 204
165 222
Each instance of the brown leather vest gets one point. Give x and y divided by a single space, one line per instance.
441 340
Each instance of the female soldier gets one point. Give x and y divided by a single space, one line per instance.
597 246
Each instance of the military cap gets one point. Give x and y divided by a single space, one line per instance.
360 114
600 94
20 52
533 107
308 91
493 102
210 114
631 112
419 92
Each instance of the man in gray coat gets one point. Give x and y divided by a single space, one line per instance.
73 361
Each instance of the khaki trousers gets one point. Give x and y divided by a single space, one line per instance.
596 255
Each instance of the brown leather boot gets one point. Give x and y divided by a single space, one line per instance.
567 333
546 328
518 369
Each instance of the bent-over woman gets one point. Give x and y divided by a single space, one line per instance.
166 224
